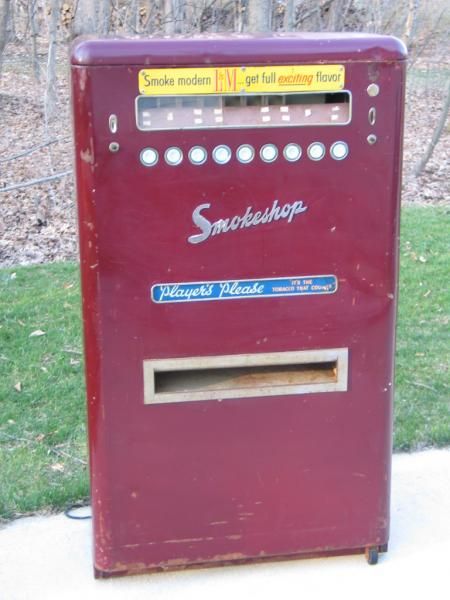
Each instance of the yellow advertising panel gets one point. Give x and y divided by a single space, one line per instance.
241 80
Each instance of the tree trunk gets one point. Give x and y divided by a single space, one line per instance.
289 17
32 10
436 135
153 16
11 22
50 90
86 17
173 16
103 16
4 13
337 14
410 21
259 16
132 16
238 17
168 18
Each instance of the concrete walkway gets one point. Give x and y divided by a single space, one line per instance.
49 558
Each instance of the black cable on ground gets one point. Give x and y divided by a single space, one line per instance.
69 509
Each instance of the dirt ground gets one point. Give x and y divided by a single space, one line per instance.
38 223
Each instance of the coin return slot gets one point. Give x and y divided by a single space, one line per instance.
244 376
242 110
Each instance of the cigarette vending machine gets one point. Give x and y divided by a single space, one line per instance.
238 216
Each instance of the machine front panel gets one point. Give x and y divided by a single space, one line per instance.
245 284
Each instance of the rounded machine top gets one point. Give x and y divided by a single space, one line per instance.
234 48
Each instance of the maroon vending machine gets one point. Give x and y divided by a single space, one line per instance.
238 215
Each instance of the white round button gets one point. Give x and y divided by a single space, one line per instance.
197 155
173 156
339 150
292 152
245 153
221 154
316 151
373 89
269 153
149 157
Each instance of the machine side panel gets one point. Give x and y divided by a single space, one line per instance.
86 164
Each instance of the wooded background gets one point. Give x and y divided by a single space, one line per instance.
37 216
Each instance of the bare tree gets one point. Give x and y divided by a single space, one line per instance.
290 15
5 6
50 89
436 134
238 16
410 20
32 14
132 16
103 16
86 20
259 16
337 14
173 16
151 15
11 22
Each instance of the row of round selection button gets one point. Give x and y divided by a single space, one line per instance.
245 154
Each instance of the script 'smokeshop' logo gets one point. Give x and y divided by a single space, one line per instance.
275 212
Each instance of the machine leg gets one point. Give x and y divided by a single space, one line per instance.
372 555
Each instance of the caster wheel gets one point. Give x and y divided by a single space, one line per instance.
372 555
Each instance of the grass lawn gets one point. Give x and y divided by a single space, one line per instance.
42 416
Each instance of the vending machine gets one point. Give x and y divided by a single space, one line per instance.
238 216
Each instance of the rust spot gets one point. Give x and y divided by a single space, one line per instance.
130 568
184 540
83 79
229 556
176 562
373 72
87 156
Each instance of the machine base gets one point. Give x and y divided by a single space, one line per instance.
371 553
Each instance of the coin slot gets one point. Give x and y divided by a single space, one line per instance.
372 115
113 123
